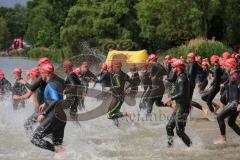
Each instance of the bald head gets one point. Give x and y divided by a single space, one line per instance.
67 66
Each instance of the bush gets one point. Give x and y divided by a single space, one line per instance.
54 54
202 47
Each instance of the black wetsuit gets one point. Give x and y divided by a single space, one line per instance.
230 110
85 82
179 116
135 82
192 72
55 118
147 85
5 86
224 91
72 83
38 87
19 90
118 81
135 79
172 77
209 96
203 79
168 67
157 71
104 79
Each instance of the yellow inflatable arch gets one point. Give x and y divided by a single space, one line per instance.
127 56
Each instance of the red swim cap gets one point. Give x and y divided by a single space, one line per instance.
1 74
231 62
152 57
47 68
35 71
226 55
78 71
17 71
214 58
44 60
104 66
179 63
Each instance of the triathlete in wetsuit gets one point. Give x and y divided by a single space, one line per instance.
157 71
118 80
37 97
203 77
183 100
18 89
5 85
167 63
147 85
86 77
53 119
224 85
192 71
132 89
104 78
232 109
72 83
215 85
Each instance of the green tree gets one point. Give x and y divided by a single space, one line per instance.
100 22
232 20
4 34
39 28
165 23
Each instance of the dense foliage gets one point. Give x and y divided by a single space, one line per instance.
155 25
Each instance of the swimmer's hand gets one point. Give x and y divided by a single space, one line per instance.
15 97
40 118
22 82
221 86
42 107
167 101
106 89
238 108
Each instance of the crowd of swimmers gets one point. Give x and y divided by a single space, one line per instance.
52 95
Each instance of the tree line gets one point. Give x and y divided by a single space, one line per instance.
131 24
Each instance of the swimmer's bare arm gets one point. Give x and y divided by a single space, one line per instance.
23 97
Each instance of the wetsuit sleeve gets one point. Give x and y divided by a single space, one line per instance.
129 80
33 87
215 76
74 80
179 95
171 77
7 85
210 71
190 70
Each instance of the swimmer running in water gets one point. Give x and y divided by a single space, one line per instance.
232 109
182 97
118 79
18 89
52 118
